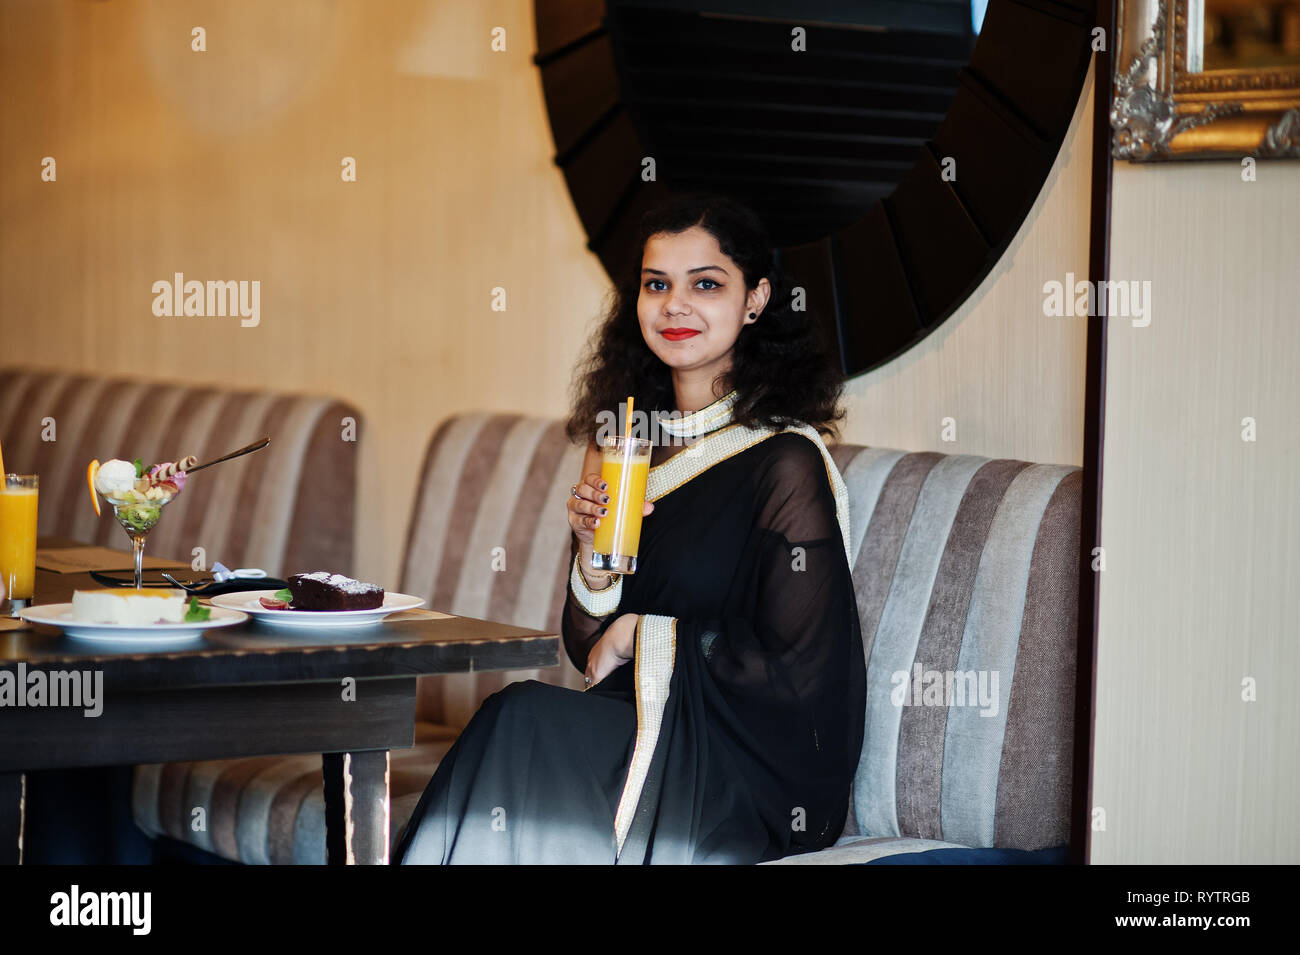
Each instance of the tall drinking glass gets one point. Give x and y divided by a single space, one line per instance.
18 541
625 467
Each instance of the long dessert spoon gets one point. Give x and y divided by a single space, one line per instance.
255 446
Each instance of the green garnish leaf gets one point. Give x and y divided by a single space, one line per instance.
286 595
195 613
139 467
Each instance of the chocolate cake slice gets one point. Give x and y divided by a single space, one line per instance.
325 591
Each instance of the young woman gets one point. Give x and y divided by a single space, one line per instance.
735 734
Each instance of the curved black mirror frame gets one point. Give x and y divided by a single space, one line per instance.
888 280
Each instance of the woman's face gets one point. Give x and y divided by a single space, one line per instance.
689 286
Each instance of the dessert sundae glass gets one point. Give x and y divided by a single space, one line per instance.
138 493
138 519
138 496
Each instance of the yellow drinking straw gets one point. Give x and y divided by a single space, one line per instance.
2 466
627 436
622 480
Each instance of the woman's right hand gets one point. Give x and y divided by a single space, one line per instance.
592 504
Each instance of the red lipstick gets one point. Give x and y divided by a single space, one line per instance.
678 334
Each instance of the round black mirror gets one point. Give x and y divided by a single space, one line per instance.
893 148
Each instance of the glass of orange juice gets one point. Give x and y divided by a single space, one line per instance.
625 466
18 540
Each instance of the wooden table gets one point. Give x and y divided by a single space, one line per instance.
248 690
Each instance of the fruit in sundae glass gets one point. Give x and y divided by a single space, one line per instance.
137 505
92 472
137 494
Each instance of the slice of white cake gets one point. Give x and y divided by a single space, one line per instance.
128 606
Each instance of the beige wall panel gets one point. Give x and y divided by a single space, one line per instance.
226 165
1201 529
1010 377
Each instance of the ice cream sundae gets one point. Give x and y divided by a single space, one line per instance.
137 494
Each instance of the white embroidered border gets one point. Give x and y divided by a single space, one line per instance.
701 422
731 440
699 457
656 649
598 603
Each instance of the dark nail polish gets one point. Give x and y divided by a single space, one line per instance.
605 499
603 511
603 486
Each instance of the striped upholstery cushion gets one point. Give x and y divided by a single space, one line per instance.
489 538
257 511
961 563
268 810
965 565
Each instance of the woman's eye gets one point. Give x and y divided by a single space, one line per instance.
711 286
652 283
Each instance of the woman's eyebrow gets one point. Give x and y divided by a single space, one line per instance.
702 268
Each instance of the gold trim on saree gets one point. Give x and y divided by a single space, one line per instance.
656 652
729 441
596 603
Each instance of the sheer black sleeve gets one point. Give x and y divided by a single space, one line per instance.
580 627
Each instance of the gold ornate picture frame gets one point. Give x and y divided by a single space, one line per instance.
1166 107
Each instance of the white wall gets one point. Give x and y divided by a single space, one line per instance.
1202 529
1011 378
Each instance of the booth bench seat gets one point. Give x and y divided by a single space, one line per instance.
966 573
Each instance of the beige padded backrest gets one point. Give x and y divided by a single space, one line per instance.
287 508
965 567
488 538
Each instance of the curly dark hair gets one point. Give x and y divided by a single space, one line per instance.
781 368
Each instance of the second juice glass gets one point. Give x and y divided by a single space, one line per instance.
625 467
18 495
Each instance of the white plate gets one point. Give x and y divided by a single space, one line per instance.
248 601
60 615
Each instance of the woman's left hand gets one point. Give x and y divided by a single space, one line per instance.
613 649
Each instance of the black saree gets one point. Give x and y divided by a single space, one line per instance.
733 736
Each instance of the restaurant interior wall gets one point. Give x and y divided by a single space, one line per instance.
227 165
